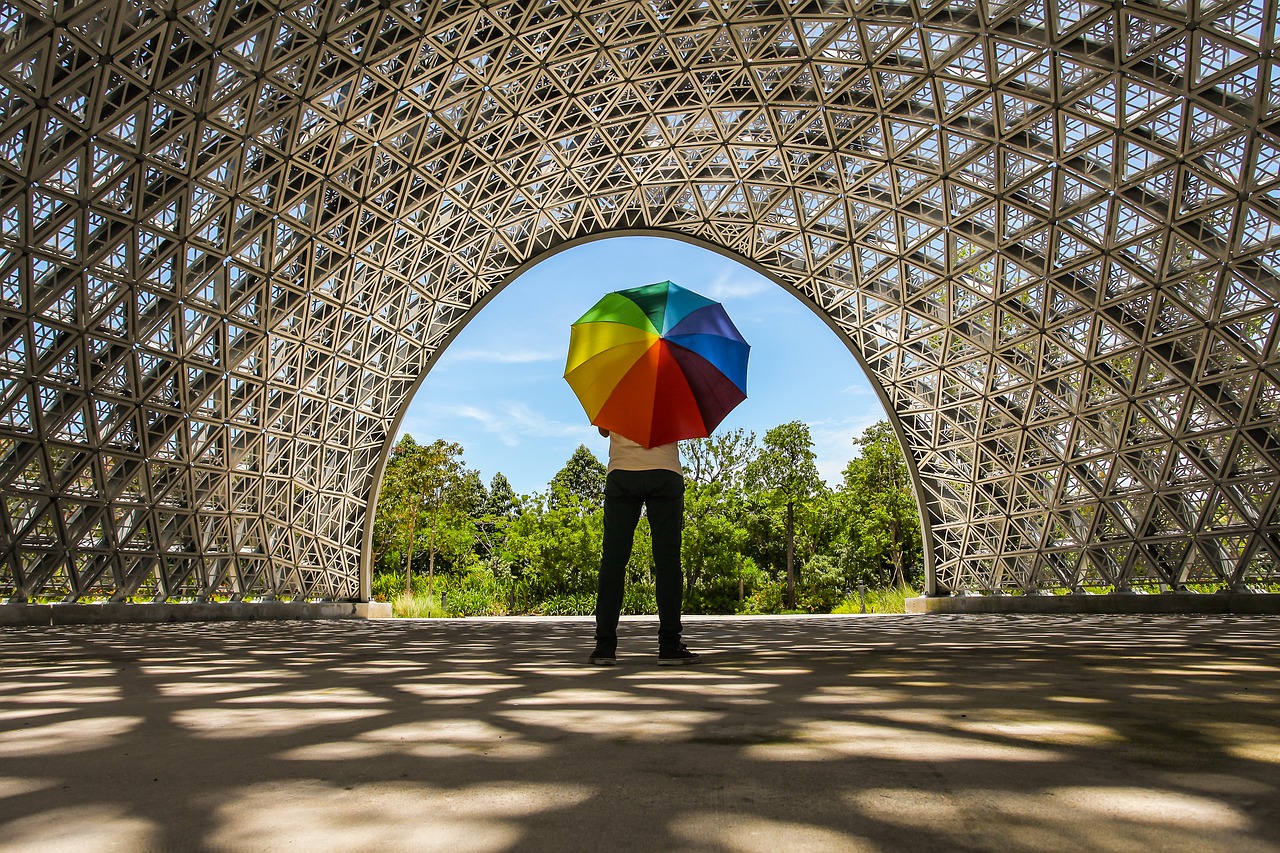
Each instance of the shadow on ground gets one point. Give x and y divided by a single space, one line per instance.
821 734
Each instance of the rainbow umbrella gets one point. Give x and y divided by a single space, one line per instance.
657 363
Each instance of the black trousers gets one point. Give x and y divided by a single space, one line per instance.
661 492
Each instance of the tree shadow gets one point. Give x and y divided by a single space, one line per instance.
817 733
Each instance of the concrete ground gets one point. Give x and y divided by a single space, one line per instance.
946 733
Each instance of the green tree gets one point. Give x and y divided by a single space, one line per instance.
428 497
715 513
720 460
501 504
555 545
711 548
582 477
882 507
786 469
502 501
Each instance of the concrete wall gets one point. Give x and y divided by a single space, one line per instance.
111 613
1176 602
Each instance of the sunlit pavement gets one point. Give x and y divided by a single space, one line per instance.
820 733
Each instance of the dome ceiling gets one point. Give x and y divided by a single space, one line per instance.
235 236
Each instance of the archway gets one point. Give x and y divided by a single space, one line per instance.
236 237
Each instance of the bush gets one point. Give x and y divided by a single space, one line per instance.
475 594
386 586
416 607
823 585
579 604
639 598
720 596
767 597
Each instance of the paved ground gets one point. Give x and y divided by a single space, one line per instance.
943 733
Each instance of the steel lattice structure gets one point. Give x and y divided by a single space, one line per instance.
236 234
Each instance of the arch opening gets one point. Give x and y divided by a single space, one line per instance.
497 390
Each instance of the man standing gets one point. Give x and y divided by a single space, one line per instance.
649 477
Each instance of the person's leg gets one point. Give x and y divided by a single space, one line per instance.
621 514
665 503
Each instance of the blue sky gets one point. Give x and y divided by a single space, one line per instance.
498 390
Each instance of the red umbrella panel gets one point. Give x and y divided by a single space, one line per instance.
657 363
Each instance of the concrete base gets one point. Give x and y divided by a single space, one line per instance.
1167 603
373 610
242 611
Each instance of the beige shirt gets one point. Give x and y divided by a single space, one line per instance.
626 455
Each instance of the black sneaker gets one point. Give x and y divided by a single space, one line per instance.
602 658
678 657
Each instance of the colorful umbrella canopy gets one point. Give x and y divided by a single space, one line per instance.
657 364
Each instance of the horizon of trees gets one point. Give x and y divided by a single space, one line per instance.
763 532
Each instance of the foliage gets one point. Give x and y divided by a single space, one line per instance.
753 514
890 600
581 478
721 460
386 586
711 549
767 598
502 500
884 546
825 585
786 465
639 598
579 604
428 501
787 471
555 544
409 605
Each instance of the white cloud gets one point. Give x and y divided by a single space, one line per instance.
861 388
535 424
504 356
732 284
511 422
833 442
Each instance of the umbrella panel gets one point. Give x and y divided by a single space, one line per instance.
587 340
708 320
616 308
630 408
595 379
728 356
715 393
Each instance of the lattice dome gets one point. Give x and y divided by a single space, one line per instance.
235 234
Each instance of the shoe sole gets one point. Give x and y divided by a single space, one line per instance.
603 661
678 661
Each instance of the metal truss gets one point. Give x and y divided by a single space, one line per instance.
236 234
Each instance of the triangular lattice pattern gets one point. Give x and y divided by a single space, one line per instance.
235 234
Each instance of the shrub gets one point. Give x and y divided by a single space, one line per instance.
638 599
579 604
767 597
823 585
475 594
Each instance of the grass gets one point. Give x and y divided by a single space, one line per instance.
892 600
407 606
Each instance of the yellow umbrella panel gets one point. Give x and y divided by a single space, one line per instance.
600 354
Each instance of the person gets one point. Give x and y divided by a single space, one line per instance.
650 477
